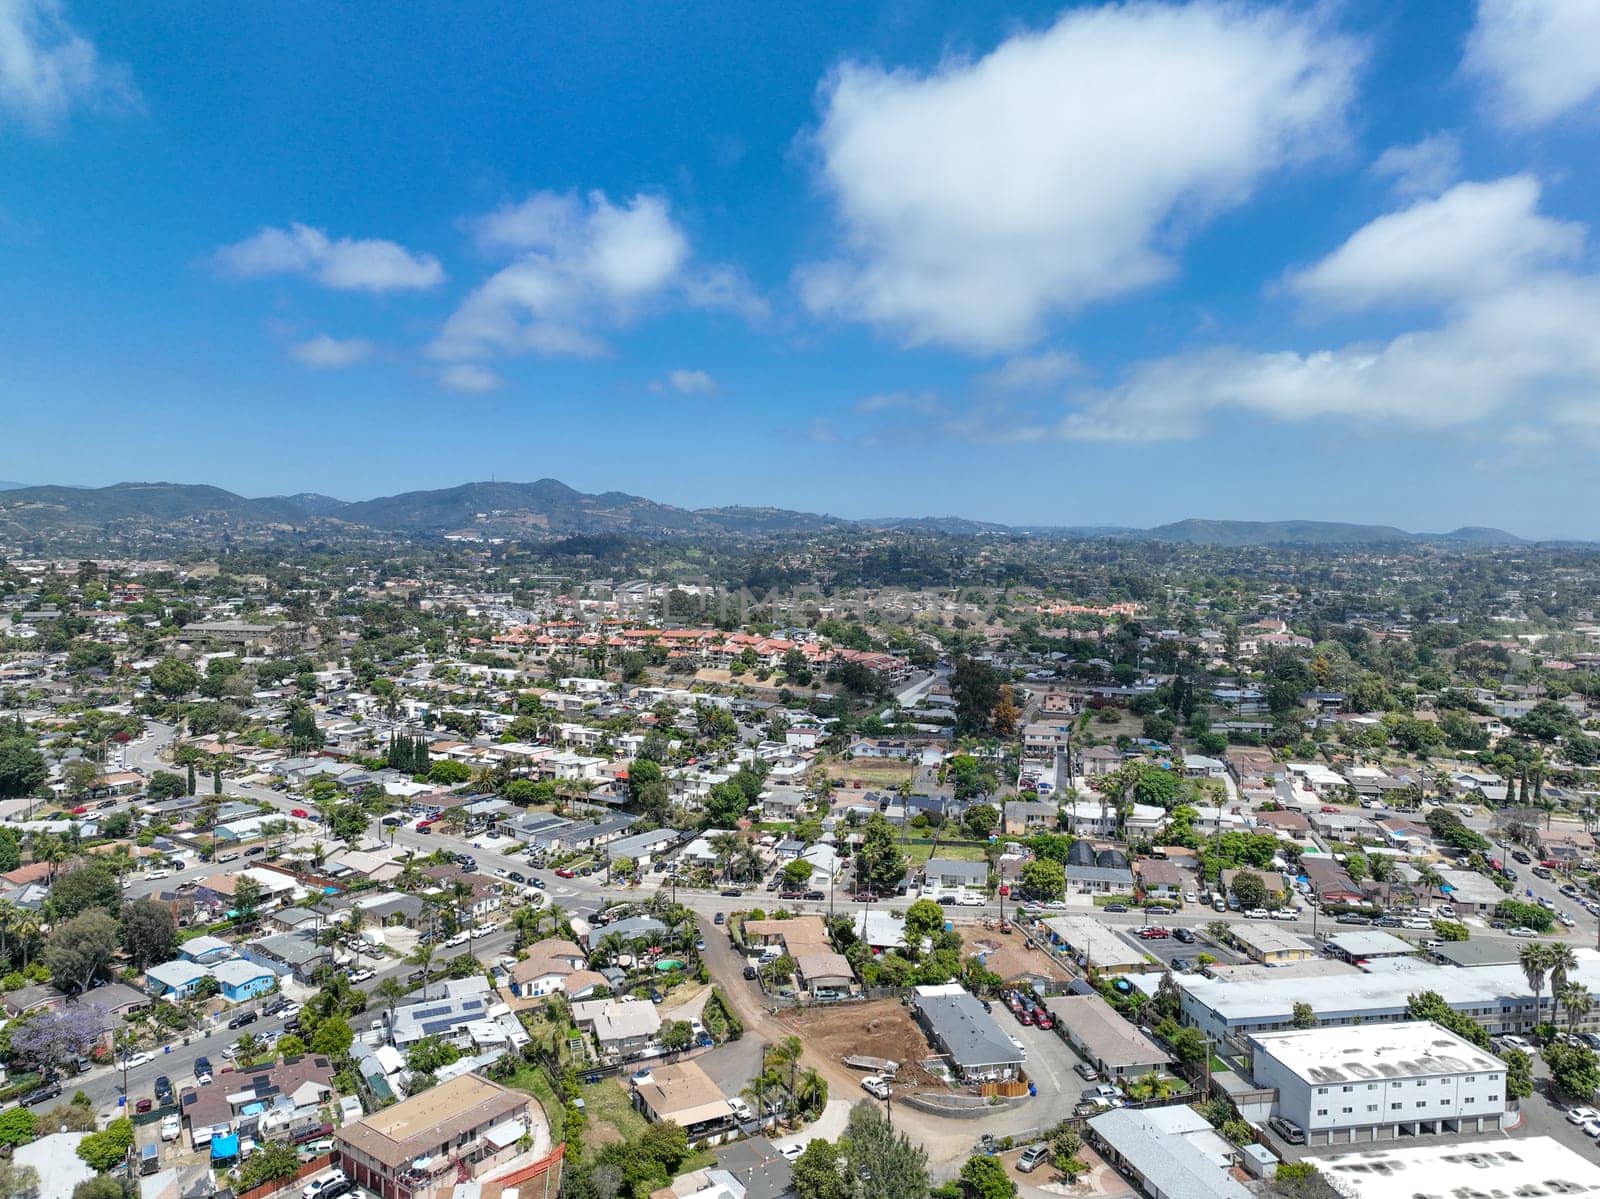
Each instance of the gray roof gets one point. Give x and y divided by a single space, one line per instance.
1157 1143
977 872
641 843
439 1017
631 928
969 1034
1100 874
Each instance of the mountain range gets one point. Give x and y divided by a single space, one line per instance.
548 509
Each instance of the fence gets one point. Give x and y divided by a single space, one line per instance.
315 1166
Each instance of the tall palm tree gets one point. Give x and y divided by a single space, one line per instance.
1562 962
423 956
8 920
391 991
26 926
1534 958
461 894
813 1095
353 924
1575 1001
787 1053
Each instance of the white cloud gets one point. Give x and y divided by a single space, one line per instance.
1062 168
584 265
1424 168
920 403
687 382
345 264
1472 240
1515 339
1031 371
1539 59
468 376
47 68
331 353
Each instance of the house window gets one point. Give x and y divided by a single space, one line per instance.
1372 1107
1394 1107
1347 1110
1422 1103
1347 1090
1322 1090
1322 1111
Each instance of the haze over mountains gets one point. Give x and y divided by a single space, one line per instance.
548 508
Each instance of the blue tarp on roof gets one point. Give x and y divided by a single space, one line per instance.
225 1147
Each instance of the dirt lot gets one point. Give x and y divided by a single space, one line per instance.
1005 955
874 773
881 1028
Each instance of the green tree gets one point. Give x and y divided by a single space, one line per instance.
1519 1074
247 895
18 1126
880 866
93 886
173 678
1249 890
1044 879
333 1037
817 1173
881 1163
1304 1016
1429 1005
271 1161
983 1177
980 819
108 1149
1574 1069
976 688
149 933
22 768
78 949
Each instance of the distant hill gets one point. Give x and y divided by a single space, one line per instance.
548 509
1274 532
313 504
4 486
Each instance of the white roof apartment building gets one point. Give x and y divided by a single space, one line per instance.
1497 997
1369 1083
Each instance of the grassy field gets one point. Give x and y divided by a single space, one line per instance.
532 1080
922 851
611 1116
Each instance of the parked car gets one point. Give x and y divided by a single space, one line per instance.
50 1090
327 1188
1115 907
876 1086
240 1019
163 1089
732 893
719 918
171 1127
202 1070
1291 1134
1087 1072
1521 932
1183 935
1033 1157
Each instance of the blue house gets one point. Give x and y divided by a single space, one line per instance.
241 979
206 950
176 980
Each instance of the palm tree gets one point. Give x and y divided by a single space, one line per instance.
26 926
461 893
813 1095
391 992
1575 1001
787 1053
1534 958
353 924
423 956
1562 962
8 920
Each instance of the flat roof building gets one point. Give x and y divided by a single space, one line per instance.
1525 1166
1378 1082
959 1028
1169 1152
1094 945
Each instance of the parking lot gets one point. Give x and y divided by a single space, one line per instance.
1166 948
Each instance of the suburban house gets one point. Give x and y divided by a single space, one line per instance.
450 1133
956 1025
1113 1046
686 1095
1023 818
947 874
622 1028
546 968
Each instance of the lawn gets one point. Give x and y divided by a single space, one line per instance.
607 1107
921 851
873 772
532 1079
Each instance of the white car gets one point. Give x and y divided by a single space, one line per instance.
322 1186
1258 914
1591 1128
1286 914
1521 932
1516 1042
171 1127
973 901
1189 897
1581 1115
876 1086
141 1058
152 875
1567 920
792 1152
361 976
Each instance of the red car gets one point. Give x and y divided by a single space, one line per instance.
1326 808
79 810
1042 1019
299 813
1024 1016
566 872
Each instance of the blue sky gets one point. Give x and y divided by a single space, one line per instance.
1041 264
